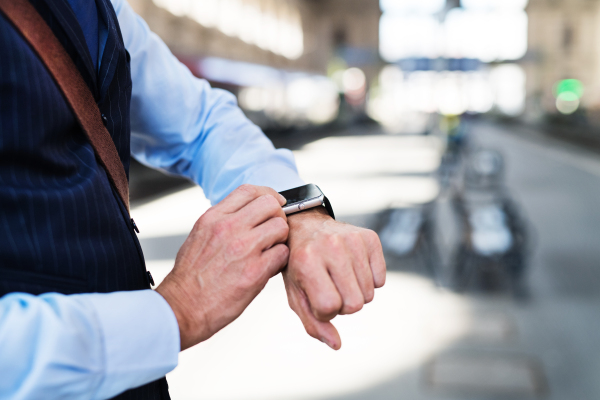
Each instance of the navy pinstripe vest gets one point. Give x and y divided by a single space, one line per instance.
62 227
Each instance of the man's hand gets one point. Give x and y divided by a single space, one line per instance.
231 253
333 269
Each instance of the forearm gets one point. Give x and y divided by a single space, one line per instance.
84 346
182 125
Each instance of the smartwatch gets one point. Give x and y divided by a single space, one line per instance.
304 198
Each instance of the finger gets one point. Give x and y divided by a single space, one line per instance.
244 195
376 258
362 269
345 281
323 331
270 233
323 296
260 210
275 259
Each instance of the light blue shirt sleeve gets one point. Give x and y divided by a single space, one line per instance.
183 126
89 346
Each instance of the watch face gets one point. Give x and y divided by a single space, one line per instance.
301 193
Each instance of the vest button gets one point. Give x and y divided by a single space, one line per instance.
150 279
104 119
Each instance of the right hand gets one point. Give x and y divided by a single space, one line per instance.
231 253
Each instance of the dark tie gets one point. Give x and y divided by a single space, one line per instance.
87 15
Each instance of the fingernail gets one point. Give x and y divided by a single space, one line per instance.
327 343
283 199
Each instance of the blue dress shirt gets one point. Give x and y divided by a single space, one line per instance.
94 346
87 15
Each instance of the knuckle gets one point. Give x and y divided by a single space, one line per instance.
372 238
354 239
380 280
271 202
334 242
284 252
369 295
248 189
303 256
328 305
281 225
380 274
312 331
353 306
279 257
205 219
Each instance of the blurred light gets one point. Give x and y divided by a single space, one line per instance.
171 215
450 93
567 103
491 234
391 76
177 7
509 86
378 193
421 86
205 12
238 72
370 156
312 98
475 34
420 6
480 93
402 231
375 164
485 35
254 98
495 5
573 86
353 80
250 27
568 94
309 98
273 26
404 36
451 99
229 17
300 93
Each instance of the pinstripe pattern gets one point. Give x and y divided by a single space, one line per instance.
62 227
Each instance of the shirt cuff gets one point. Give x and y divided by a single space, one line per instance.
285 178
141 338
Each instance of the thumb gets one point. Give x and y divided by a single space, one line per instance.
323 331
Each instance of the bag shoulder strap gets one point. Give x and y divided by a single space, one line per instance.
25 18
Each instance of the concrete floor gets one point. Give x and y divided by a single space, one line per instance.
416 341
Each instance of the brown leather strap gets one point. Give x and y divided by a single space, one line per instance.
38 34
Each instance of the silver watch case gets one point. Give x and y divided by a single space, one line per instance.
304 205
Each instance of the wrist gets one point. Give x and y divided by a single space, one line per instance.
191 330
313 214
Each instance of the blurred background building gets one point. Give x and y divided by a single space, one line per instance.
291 61
467 134
563 41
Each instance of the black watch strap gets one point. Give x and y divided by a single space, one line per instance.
328 207
327 204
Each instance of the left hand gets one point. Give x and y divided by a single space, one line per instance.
333 269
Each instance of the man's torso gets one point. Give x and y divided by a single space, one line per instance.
63 227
